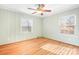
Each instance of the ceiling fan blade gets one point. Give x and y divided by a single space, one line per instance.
34 12
40 6
47 10
31 8
41 13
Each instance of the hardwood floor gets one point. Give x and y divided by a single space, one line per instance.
39 46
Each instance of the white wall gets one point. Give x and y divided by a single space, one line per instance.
10 27
51 28
47 27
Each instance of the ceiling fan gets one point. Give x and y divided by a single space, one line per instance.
40 9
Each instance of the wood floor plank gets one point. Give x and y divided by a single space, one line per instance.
39 46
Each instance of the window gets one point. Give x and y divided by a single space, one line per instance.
67 24
26 25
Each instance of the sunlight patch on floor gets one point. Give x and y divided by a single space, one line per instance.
58 49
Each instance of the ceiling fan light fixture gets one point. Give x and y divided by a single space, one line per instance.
40 9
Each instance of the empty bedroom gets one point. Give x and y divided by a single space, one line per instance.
39 29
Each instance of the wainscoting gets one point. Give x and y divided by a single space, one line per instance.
39 46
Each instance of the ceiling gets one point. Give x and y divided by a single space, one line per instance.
56 8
